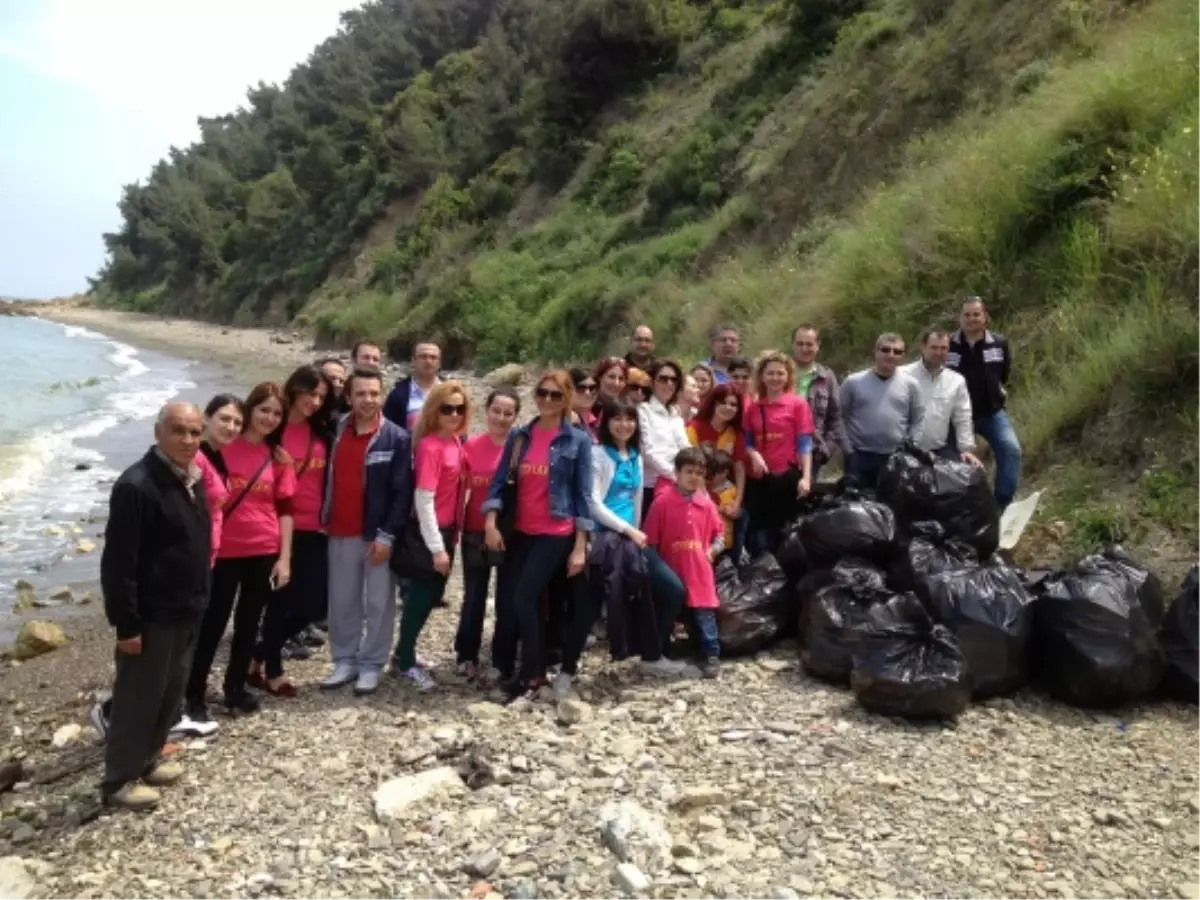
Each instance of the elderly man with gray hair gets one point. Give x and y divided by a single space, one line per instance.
882 409
154 573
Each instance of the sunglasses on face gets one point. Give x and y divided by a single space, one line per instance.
589 388
892 351
643 389
666 379
548 394
453 409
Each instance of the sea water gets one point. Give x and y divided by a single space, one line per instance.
78 408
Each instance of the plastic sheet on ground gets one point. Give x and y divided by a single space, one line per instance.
1096 632
905 665
1179 637
755 605
920 487
991 614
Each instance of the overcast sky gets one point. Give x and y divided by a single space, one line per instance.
94 92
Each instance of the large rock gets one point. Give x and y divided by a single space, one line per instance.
19 877
38 637
396 795
636 835
66 735
510 375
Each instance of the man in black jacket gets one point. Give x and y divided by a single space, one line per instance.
404 403
983 358
154 573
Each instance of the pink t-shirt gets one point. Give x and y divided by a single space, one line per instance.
216 495
682 529
786 419
533 488
440 466
308 467
252 529
483 456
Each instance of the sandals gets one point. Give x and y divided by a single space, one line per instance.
259 681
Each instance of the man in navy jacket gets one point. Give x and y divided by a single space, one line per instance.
368 499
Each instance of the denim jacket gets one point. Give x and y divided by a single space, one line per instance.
387 480
570 474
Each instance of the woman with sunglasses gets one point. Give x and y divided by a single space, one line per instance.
719 425
546 544
638 387
439 464
778 425
664 432
584 413
610 375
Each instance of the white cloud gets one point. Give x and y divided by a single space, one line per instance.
169 61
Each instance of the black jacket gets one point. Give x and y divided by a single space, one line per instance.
985 367
395 407
157 543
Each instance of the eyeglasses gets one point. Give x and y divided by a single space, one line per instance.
453 409
549 394
589 388
666 379
892 351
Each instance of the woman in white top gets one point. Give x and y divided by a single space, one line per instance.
664 432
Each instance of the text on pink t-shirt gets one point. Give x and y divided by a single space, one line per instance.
440 466
216 495
483 456
786 419
533 488
308 455
683 529
252 528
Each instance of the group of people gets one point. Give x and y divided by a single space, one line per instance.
301 511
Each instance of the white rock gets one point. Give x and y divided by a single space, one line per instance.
85 546
636 835
67 734
630 878
393 797
700 796
482 816
19 877
572 711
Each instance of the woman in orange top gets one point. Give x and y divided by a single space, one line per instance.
719 425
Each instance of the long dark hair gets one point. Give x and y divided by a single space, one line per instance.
718 395
656 367
619 407
211 453
259 395
305 381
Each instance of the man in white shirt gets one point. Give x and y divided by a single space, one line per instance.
947 401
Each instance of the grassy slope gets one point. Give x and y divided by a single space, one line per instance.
1042 154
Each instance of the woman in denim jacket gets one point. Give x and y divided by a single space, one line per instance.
546 544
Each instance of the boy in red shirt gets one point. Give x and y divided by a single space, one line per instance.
685 529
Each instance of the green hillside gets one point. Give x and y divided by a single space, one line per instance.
524 180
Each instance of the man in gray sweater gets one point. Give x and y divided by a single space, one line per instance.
882 409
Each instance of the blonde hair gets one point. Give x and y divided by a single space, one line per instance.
427 421
763 360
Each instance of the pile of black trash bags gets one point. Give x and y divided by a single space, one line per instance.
900 595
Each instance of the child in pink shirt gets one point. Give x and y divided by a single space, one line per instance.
685 529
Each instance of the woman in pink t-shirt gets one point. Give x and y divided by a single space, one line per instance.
255 555
223 419
778 425
545 547
483 456
304 438
439 467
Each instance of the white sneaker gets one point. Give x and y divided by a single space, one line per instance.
343 674
663 667
561 686
421 679
367 683
189 726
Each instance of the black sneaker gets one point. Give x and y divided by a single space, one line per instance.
295 650
197 712
711 667
312 637
245 703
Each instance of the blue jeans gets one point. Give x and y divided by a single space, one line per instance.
864 468
669 595
706 632
1000 435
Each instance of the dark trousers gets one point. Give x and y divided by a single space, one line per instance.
647 500
702 625
619 578
669 595
304 600
146 698
533 565
248 580
469 637
864 468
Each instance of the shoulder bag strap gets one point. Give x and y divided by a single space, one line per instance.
237 501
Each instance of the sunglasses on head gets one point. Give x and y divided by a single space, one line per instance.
892 351
453 409
548 394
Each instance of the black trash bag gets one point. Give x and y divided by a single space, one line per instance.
921 486
991 614
928 551
847 527
790 552
755 608
907 666
832 606
1179 637
1096 632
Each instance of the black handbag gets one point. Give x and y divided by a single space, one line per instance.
772 499
506 519
476 554
411 557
